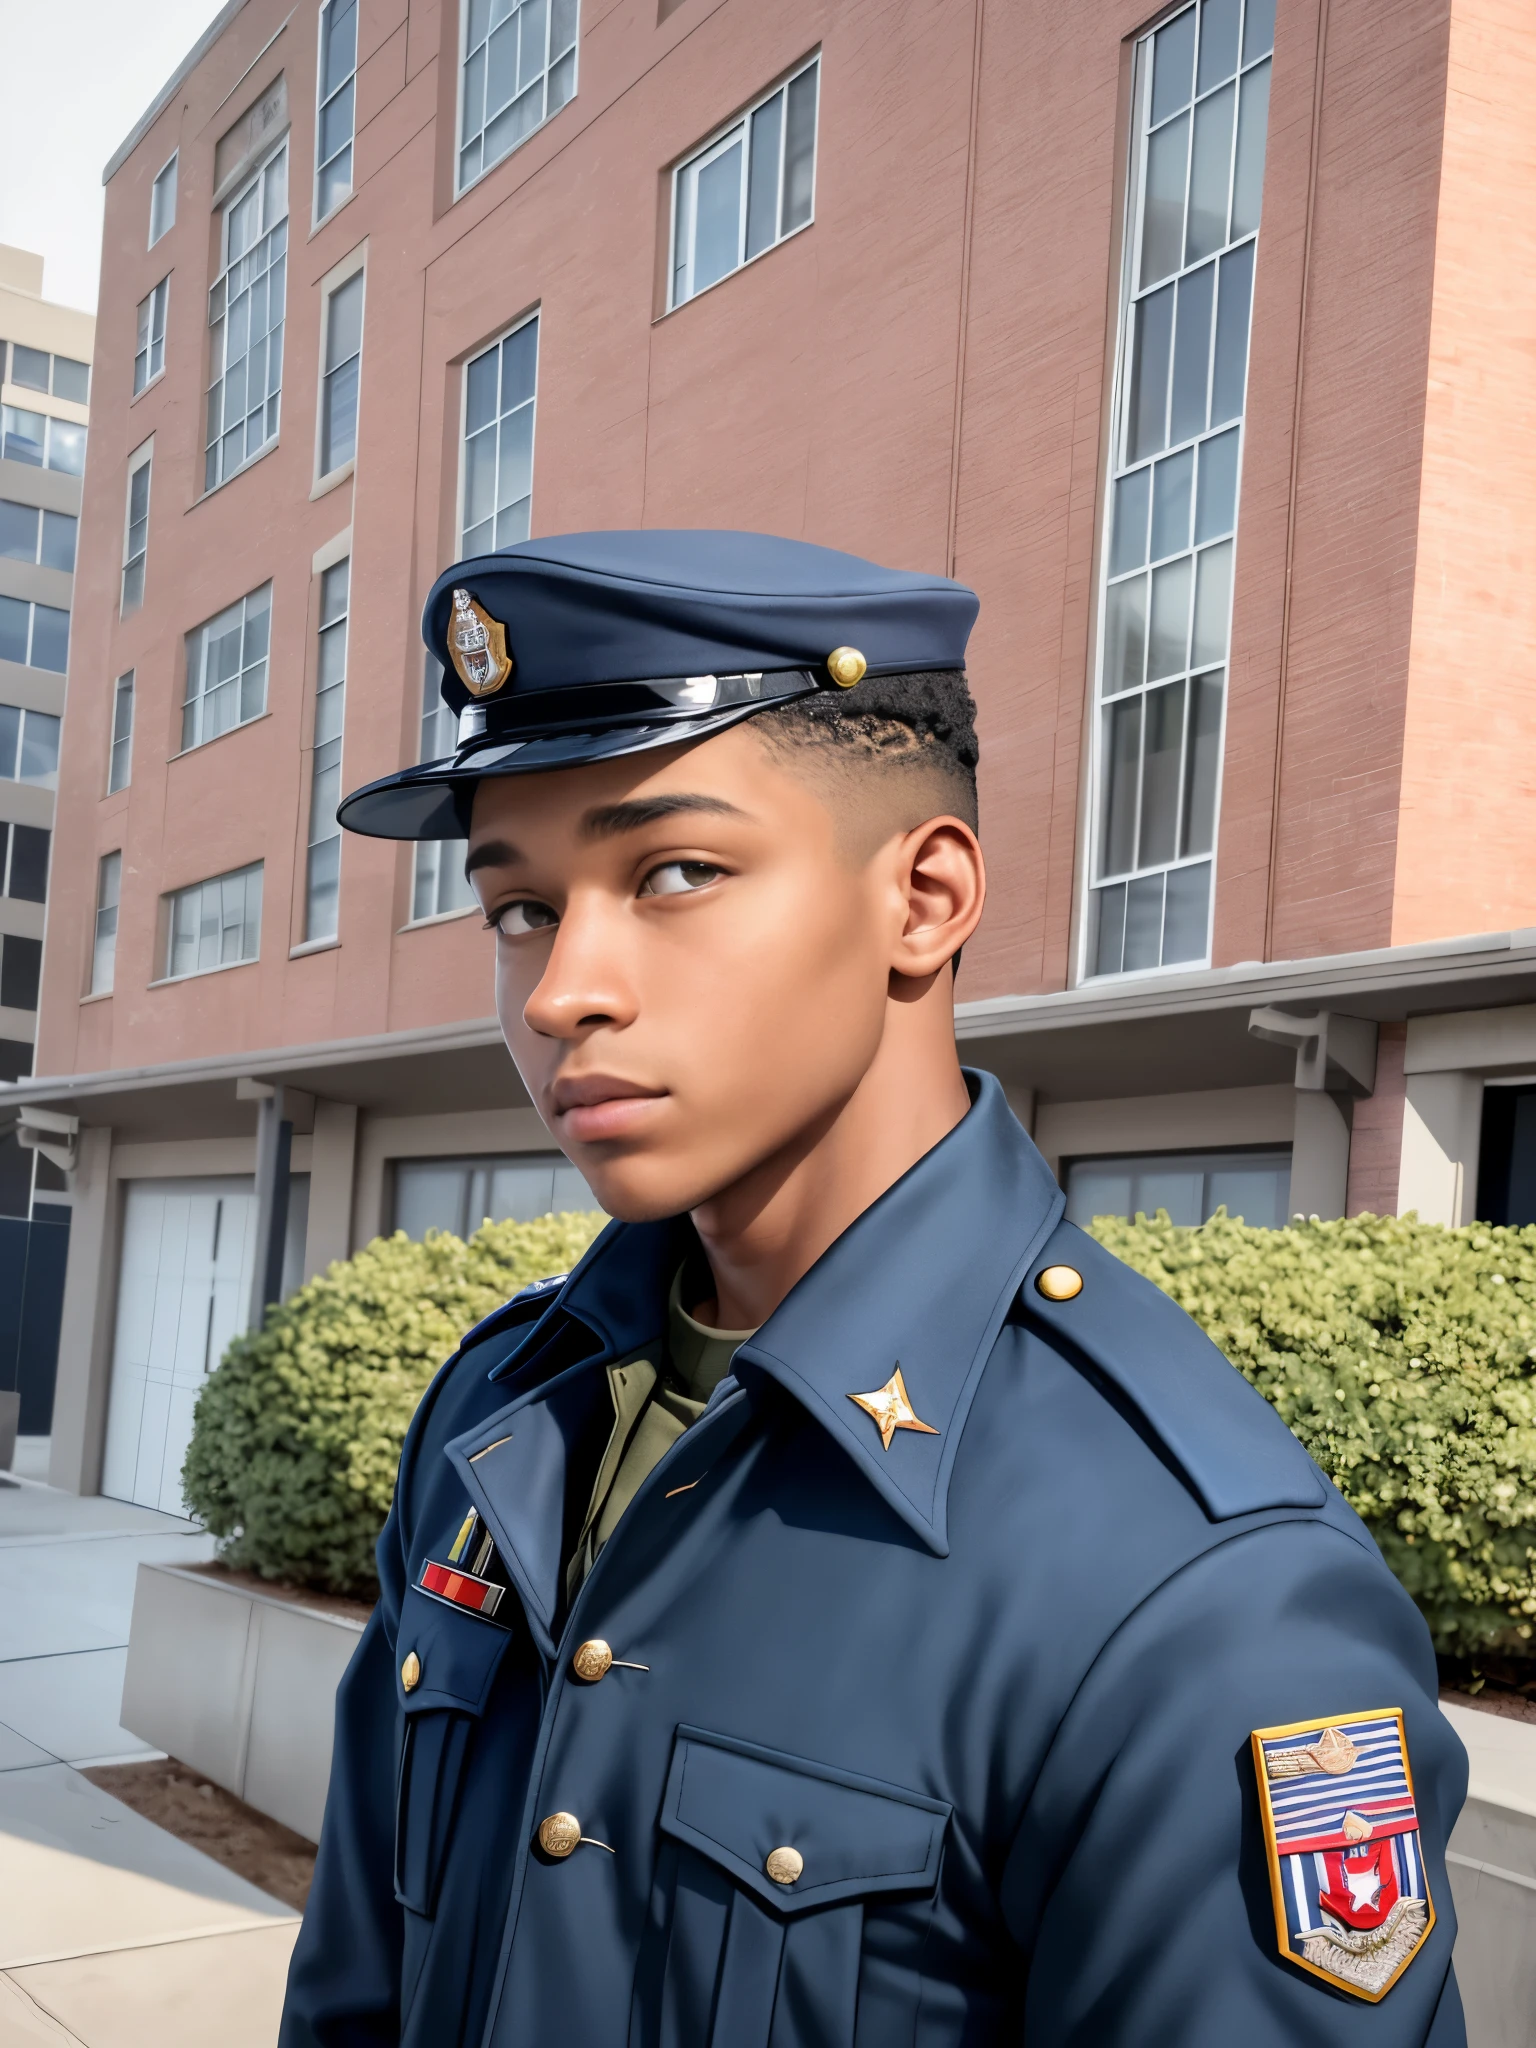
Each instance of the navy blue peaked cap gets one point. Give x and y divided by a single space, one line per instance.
581 646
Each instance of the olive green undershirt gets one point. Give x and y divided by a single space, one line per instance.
651 1410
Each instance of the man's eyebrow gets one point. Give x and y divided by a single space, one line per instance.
608 820
492 853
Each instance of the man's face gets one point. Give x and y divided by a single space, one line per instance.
692 969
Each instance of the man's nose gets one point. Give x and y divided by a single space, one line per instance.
585 982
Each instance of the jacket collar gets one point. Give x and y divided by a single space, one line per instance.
923 1281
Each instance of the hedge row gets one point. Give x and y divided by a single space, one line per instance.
1400 1353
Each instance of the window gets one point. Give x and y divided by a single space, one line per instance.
227 669
120 759
440 887
109 881
461 1194
135 532
213 924
518 68
338 382
498 440
45 443
29 747
36 635
162 201
149 354
747 189
336 116
323 875
1191 1186
35 370
245 314
30 535
1197 171
24 862
21 971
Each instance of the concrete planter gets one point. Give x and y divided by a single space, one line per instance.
238 1684
1492 1861
10 1412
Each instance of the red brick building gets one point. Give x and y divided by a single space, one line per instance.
1197 342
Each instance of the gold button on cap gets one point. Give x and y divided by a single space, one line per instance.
1059 1283
558 1834
592 1660
784 1865
846 666
410 1672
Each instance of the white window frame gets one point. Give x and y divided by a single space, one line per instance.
158 301
173 897
109 870
353 265
699 158
120 744
323 828
1128 291
170 166
220 283
327 9
141 461
461 184
530 319
200 698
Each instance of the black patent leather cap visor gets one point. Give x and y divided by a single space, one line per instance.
433 799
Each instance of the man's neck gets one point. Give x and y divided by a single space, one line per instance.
765 1232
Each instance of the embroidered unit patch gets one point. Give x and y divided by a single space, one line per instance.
1352 1902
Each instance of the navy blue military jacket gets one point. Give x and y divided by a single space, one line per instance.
994 1684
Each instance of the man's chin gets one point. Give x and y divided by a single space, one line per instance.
648 1190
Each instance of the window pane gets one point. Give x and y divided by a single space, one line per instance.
18 531
59 531
1151 358
336 123
1210 175
480 392
562 81
1094 1189
1170 502
50 638
21 967
1252 128
763 176
717 218
338 431
1218 42
29 367
29 864
323 892
66 448
1258 29
10 742
515 475
1125 634
22 435
1216 505
335 182
1186 917
519 364
1232 300
162 203
1143 923
1161 757
1128 547
40 749
1200 765
1169 637
1213 604
122 734
15 628
340 44
1122 753
562 31
1192 352
1173 65
344 328
800 149
71 380
1109 941
1162 231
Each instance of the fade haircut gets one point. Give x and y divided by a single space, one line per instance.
917 731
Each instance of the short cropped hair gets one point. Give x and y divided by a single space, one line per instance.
924 721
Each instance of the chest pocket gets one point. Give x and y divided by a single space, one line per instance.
456 1657
757 1915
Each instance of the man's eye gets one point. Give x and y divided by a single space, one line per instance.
679 878
516 920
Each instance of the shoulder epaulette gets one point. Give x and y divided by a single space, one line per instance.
1235 1454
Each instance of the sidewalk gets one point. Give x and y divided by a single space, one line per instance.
113 1934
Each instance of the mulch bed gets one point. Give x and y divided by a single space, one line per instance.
295 1596
262 1851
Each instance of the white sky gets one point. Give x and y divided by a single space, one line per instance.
78 74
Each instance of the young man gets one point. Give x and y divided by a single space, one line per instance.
851 1609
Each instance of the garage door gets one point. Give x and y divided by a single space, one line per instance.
183 1288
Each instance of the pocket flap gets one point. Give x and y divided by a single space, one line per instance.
737 1804
457 1655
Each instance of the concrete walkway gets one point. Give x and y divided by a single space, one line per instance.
113 1934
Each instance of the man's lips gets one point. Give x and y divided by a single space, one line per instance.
590 1107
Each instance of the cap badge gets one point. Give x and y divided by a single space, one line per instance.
846 666
478 646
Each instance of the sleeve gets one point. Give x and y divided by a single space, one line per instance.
344 1979
1139 1880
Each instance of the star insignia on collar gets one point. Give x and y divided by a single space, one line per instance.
890 1409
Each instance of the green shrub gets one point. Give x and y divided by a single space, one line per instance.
297 1433
1401 1355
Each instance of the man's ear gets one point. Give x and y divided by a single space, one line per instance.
945 878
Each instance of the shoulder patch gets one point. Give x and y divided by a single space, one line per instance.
1236 1454
1341 1832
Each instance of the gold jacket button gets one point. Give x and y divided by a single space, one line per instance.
558 1834
1059 1283
784 1865
410 1672
592 1660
